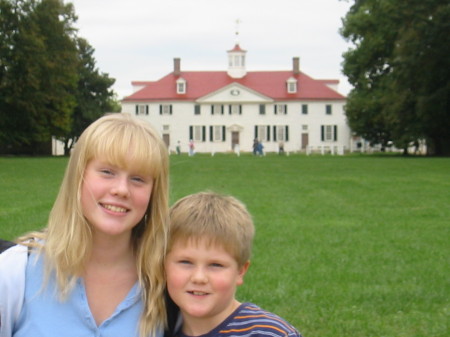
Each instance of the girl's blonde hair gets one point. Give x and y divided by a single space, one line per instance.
124 141
221 219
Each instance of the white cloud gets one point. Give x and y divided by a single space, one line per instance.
138 39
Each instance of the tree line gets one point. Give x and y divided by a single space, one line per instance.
49 83
399 66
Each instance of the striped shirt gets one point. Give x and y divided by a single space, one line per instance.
251 320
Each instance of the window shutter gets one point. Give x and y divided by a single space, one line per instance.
240 109
285 109
322 132
268 132
274 133
221 109
137 109
212 109
171 109
211 136
203 133
287 133
146 109
256 132
160 109
275 109
229 109
223 133
335 133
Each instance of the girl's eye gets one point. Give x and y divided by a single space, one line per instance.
138 179
106 171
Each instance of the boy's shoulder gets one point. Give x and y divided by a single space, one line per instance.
251 318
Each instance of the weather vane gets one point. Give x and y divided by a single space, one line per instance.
238 21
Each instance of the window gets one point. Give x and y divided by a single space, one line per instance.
217 133
281 133
328 109
181 86
304 127
291 85
166 128
329 133
217 109
262 133
304 109
141 109
197 133
197 109
235 109
165 109
262 109
280 109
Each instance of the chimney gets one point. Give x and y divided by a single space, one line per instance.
176 66
296 65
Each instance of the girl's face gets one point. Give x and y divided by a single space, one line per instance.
114 200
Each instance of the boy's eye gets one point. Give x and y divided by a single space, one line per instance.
216 265
187 262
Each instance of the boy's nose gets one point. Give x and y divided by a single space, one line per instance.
199 276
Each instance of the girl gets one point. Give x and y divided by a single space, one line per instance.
97 268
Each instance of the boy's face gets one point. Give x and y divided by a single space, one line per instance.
202 281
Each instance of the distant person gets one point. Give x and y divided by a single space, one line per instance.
191 148
208 255
280 148
259 149
255 146
96 269
178 148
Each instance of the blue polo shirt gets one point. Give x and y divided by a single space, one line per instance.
44 315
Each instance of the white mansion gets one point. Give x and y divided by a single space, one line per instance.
223 111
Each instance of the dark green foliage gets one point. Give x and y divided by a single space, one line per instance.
42 63
400 71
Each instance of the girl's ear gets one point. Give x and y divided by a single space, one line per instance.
242 270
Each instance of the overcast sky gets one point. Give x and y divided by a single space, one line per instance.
137 40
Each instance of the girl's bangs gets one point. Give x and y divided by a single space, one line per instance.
132 149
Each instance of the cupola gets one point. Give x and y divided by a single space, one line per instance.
236 62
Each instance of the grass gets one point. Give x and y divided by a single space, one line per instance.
345 246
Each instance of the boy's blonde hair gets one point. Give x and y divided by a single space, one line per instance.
220 219
126 142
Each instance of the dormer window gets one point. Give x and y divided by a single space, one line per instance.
181 86
291 84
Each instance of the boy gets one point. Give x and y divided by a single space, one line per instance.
208 255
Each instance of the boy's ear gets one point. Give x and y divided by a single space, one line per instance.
242 271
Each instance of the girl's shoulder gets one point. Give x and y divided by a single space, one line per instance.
13 262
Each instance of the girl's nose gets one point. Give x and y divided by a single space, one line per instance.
120 187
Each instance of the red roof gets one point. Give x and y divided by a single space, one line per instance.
237 48
268 83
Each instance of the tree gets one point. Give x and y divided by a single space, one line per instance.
49 84
39 74
93 94
399 68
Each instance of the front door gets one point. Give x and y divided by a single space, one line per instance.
234 139
305 140
166 139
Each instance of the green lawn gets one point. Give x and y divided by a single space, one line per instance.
345 246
